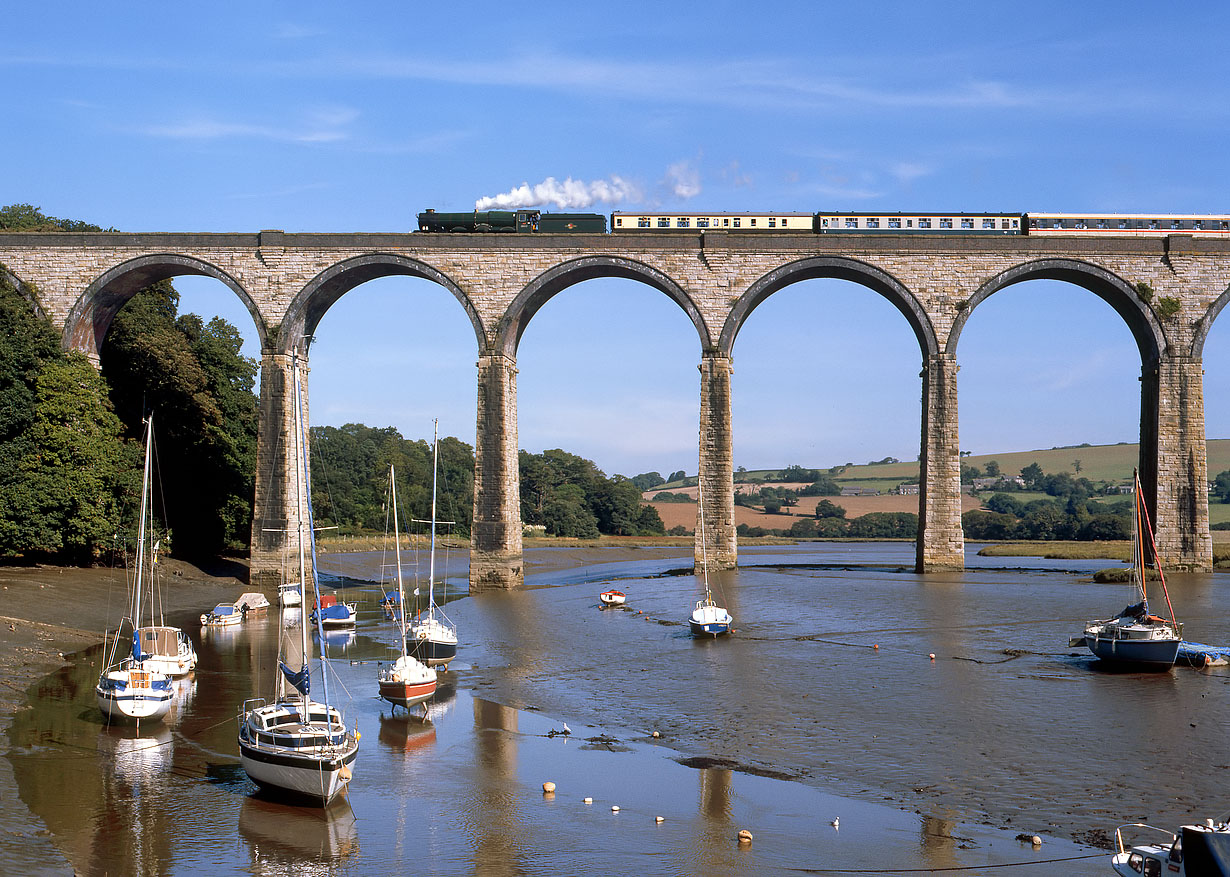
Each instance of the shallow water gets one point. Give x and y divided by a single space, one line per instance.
1005 731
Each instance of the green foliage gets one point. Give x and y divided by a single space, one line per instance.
1168 306
795 474
570 496
828 509
667 496
350 466
885 525
679 475
64 470
648 480
25 217
1032 474
1221 486
824 485
200 389
1145 291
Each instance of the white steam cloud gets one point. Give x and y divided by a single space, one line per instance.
569 193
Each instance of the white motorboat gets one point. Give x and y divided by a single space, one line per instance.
296 746
130 688
1196 851
222 615
613 598
289 594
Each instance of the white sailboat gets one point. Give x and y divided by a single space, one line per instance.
1135 637
297 746
432 637
408 681
708 618
133 688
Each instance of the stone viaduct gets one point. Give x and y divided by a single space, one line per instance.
1168 290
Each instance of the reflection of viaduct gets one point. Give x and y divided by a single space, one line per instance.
289 281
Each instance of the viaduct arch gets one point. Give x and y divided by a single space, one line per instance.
288 281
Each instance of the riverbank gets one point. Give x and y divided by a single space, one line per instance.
48 613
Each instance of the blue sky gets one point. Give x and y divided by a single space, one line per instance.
354 117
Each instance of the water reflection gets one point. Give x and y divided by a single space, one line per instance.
297 840
406 733
715 792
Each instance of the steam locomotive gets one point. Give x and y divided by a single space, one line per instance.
1066 224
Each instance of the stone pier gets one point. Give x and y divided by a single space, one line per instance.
716 475
941 541
495 541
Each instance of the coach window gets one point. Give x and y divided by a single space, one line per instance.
772 222
909 223
702 223
1101 223
851 223
894 223
1196 223
682 222
1123 223
1016 223
1153 223
924 223
1080 223
988 223
664 222
737 221
784 222
967 223
873 223
1174 223
752 222
946 223
1225 225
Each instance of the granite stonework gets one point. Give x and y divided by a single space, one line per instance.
1168 290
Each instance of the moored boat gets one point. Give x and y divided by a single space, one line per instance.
708 618
131 688
1136 638
432 637
296 746
1196 851
288 594
408 681
332 614
222 615
613 598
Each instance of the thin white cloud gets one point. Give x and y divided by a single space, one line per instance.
320 126
683 180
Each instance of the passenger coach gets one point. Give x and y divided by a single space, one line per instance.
776 222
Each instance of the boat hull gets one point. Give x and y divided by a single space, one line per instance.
613 598
407 694
122 699
1143 654
289 595
286 758
430 651
708 628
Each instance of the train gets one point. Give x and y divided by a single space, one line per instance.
1037 224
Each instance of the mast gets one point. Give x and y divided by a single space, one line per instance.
139 583
299 474
704 555
431 568
401 594
311 521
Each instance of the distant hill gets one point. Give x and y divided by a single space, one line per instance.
1098 463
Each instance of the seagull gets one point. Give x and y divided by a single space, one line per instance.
567 730
836 823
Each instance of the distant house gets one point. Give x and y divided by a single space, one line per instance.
907 489
1123 488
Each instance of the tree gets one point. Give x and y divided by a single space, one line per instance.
828 509
1221 486
64 499
993 468
1032 474
648 480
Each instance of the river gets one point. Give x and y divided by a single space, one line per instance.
825 704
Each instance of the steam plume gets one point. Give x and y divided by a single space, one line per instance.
569 193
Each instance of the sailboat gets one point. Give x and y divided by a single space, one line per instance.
432 638
1135 637
408 681
708 618
133 688
295 745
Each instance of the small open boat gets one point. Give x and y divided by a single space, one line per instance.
613 598
223 615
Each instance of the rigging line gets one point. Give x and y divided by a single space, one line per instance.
951 869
